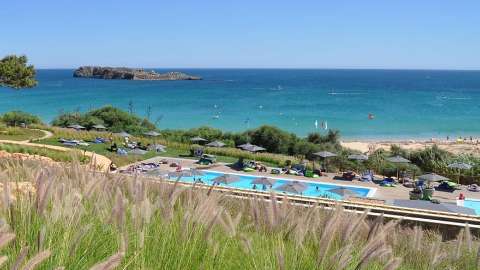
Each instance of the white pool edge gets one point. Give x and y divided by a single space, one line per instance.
371 190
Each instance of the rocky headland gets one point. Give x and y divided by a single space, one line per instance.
122 73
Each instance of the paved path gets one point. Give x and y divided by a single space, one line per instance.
102 162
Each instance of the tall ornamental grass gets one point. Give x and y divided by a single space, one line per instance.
76 219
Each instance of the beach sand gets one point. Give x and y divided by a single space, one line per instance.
453 147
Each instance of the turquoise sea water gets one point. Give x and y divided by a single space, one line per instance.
406 104
314 189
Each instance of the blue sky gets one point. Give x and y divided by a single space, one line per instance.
281 34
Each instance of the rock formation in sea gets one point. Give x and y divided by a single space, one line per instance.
123 73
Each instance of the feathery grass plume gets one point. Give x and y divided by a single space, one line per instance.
41 238
118 211
350 231
255 203
3 259
78 237
6 193
210 226
60 268
111 263
229 224
279 254
123 238
468 237
478 258
6 238
393 264
246 244
342 258
374 246
417 237
20 258
460 244
37 259
375 227
327 237
44 187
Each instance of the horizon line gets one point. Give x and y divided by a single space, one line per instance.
277 68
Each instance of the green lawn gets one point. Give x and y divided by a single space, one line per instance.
102 149
55 155
19 134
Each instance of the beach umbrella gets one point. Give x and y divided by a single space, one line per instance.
123 134
254 148
157 147
398 159
151 133
432 177
245 145
225 179
99 126
180 174
264 181
324 155
76 126
215 144
460 166
293 187
358 157
197 139
344 192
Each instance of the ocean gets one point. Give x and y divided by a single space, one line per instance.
403 103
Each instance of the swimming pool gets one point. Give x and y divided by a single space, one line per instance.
314 189
470 203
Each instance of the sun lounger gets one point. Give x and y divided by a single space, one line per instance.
276 171
388 182
473 188
367 176
122 152
349 176
447 186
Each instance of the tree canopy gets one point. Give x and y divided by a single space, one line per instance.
15 73
113 118
15 118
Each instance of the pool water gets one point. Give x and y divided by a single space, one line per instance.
473 204
314 189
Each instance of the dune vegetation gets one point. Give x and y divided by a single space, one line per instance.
77 219
55 155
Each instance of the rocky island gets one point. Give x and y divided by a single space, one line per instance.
122 73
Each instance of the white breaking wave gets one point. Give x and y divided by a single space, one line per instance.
347 93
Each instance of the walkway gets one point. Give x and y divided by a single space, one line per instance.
102 162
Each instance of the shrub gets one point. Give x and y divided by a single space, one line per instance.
273 139
114 119
15 118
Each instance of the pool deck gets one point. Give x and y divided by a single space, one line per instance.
381 193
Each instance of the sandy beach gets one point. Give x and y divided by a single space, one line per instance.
455 147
